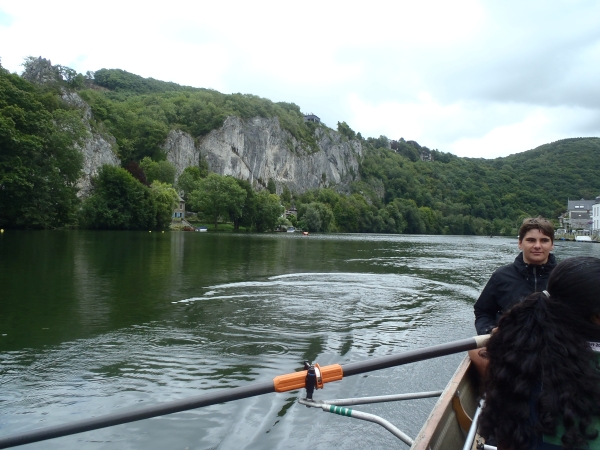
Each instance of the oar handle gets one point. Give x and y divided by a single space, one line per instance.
335 372
297 380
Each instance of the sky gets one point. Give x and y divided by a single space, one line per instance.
479 79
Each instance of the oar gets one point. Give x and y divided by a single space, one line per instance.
281 383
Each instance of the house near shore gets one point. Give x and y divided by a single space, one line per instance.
578 216
179 211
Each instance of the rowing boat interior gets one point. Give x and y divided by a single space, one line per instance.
449 421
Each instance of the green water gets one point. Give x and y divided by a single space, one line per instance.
95 322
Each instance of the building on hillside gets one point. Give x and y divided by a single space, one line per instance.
580 205
426 154
578 216
291 212
311 118
179 211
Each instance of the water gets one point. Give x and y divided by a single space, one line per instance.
97 322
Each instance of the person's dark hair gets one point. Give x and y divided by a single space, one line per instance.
536 223
542 370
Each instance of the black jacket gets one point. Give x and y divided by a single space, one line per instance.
507 286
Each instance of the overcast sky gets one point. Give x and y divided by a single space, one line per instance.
474 78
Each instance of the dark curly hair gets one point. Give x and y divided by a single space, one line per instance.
542 370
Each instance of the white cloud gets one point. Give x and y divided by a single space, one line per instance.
472 77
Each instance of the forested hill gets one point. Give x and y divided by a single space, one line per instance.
397 191
501 190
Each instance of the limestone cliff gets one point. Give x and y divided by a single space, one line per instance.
255 150
97 148
181 151
259 149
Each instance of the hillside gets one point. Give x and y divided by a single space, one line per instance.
501 190
388 189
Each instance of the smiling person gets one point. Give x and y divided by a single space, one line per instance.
510 284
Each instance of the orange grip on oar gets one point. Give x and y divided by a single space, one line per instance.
296 380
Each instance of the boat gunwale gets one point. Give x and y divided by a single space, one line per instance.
431 425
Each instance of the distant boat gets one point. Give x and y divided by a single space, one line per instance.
305 233
583 239
291 229
202 229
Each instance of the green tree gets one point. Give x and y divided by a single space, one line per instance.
268 210
39 160
218 196
312 219
326 217
345 130
203 166
165 200
286 196
248 213
271 187
162 171
118 202
189 180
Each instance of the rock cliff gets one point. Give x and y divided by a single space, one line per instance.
255 150
97 149
259 149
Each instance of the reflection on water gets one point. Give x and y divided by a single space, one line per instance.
91 323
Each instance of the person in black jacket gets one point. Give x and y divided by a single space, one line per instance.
510 284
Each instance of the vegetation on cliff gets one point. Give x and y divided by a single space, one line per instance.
140 112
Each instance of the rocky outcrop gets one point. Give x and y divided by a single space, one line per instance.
181 151
41 71
259 149
255 150
97 148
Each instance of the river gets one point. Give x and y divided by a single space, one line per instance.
97 322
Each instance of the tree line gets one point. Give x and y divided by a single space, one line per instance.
398 192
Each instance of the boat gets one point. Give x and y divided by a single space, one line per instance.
449 425
290 229
583 239
202 229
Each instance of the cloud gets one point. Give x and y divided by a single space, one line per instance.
471 77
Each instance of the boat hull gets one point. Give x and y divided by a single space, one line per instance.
442 430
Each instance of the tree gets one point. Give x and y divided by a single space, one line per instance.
268 210
138 173
165 200
345 130
203 166
189 180
218 196
162 171
39 159
271 187
248 213
286 195
118 202
312 219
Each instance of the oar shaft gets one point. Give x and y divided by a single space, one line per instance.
421 354
228 395
220 396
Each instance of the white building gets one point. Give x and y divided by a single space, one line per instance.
596 215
